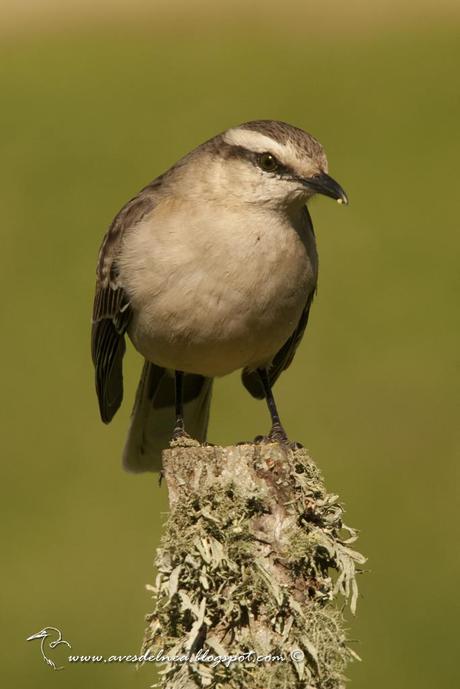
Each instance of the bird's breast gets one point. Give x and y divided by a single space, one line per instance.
216 291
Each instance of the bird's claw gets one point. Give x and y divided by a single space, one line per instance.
181 438
294 445
278 435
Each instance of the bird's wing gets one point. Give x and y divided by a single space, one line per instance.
282 359
285 355
111 310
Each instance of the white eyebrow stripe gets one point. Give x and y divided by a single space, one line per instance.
254 141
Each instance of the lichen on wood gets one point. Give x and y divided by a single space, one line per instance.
255 562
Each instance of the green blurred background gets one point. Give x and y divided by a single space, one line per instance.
98 99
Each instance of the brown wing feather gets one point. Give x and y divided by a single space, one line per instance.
111 310
110 321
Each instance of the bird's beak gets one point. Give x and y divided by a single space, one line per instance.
323 184
38 635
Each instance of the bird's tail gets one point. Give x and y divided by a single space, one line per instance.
153 416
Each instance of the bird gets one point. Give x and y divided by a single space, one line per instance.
43 634
211 268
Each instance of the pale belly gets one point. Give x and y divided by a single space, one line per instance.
212 307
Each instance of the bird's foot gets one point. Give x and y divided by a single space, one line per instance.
277 435
180 438
294 445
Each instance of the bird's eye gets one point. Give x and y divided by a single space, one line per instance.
268 162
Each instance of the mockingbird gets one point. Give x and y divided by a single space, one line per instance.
211 268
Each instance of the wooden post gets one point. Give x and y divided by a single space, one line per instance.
253 569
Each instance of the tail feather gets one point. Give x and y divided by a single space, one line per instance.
153 416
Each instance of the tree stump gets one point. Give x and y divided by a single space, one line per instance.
253 569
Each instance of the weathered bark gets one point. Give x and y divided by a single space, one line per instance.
252 562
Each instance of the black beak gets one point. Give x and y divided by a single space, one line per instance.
323 184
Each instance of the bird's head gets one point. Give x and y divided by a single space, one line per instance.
263 162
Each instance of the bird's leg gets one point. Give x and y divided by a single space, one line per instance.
277 432
179 428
